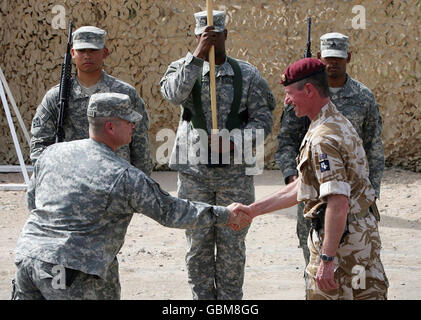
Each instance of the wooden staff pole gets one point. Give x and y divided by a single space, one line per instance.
212 71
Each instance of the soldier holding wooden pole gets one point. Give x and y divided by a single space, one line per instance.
242 102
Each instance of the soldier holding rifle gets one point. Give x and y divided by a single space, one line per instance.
88 53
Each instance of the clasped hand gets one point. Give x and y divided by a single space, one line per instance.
240 216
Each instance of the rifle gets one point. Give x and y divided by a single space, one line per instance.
65 77
307 52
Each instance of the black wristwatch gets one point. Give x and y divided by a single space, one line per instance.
326 258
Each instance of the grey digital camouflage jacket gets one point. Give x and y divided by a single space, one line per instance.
256 97
81 199
76 125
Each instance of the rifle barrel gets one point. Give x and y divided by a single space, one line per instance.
64 90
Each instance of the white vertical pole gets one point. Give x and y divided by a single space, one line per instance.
13 132
15 108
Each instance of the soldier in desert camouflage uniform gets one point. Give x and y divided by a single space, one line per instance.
88 53
334 186
217 275
355 101
79 214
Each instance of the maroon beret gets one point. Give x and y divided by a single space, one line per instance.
302 69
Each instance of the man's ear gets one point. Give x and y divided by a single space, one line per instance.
349 57
109 127
105 52
72 52
309 89
319 55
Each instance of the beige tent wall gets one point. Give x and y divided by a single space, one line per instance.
144 36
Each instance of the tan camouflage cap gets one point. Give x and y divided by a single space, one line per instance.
89 37
202 21
334 44
111 104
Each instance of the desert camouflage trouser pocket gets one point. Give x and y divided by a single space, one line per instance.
358 267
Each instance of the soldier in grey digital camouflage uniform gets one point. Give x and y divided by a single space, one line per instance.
88 53
333 184
244 102
79 214
355 101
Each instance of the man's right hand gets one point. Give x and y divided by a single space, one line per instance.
240 216
239 208
206 41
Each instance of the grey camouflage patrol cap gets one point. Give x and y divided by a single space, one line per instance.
334 44
89 37
202 21
110 105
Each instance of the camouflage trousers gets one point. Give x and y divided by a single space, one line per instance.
303 230
358 268
216 256
39 280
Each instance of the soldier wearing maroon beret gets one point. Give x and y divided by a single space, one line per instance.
302 69
356 102
333 184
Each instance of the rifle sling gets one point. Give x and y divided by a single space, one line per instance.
234 120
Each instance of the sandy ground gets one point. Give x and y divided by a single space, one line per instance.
152 258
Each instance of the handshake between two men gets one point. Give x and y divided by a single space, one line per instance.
242 215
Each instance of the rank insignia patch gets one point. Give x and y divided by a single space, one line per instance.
324 165
36 123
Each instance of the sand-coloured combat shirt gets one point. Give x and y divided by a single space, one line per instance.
358 104
332 160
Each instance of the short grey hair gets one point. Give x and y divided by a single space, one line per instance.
97 125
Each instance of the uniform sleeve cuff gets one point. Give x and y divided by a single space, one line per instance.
222 215
289 172
335 187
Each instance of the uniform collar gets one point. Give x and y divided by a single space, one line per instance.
77 90
221 70
100 145
347 90
325 112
